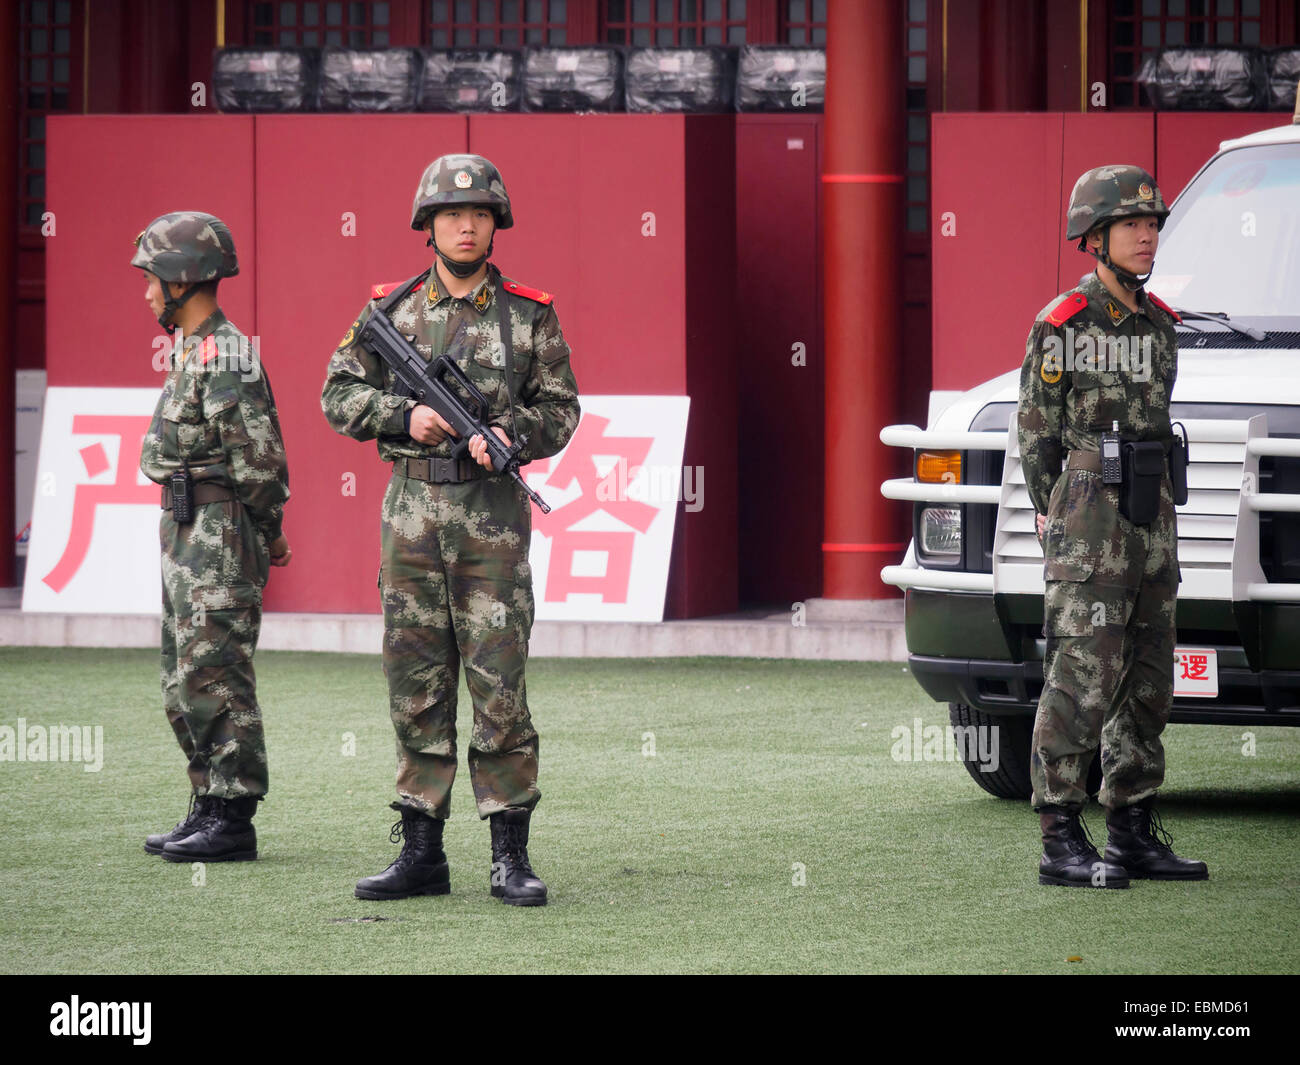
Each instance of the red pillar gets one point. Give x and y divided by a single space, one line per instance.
8 289
862 236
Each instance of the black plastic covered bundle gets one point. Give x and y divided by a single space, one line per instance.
573 79
779 78
263 79
381 80
1283 73
694 80
467 80
1206 79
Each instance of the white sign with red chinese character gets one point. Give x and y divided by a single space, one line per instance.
1196 672
94 544
602 553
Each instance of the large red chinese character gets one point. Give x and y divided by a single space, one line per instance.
600 493
130 430
1195 667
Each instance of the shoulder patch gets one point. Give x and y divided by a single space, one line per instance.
1164 306
536 294
1067 308
380 291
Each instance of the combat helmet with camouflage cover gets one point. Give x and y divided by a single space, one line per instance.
185 247
453 179
1106 194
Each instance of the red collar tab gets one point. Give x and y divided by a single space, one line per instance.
1164 306
1067 308
536 294
207 350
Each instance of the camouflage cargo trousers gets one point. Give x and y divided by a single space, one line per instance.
457 589
213 573
1109 668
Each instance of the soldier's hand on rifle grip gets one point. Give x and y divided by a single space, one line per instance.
427 426
478 446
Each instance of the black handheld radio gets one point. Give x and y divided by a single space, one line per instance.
1112 469
182 484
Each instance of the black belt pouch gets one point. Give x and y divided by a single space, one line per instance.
1144 469
1178 458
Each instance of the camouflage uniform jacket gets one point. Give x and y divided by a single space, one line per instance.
361 399
219 415
1089 362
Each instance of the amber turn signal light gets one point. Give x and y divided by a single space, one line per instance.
938 467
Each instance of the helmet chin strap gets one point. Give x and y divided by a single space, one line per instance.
458 269
1127 278
171 305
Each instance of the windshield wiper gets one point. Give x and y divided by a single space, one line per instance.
1222 319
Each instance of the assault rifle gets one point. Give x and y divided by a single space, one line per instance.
443 386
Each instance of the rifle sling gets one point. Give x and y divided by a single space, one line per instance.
507 342
503 319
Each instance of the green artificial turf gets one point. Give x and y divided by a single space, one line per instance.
764 773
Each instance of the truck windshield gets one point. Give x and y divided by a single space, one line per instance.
1232 243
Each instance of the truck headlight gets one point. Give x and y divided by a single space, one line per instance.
941 532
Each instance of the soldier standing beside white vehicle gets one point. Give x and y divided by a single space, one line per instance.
1099 368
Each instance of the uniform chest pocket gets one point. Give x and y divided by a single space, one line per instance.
490 358
1100 398
183 419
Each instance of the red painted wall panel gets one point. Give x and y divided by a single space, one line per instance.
312 280
107 177
996 178
704 578
579 186
782 406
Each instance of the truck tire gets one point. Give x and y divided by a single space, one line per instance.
1014 732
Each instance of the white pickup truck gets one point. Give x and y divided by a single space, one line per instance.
973 574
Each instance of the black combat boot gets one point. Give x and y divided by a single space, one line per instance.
421 868
1140 843
512 879
1069 858
226 834
198 811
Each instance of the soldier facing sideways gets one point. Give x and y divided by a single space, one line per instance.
1101 359
214 445
454 576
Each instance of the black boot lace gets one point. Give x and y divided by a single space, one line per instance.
514 848
202 809
1080 838
412 831
1151 827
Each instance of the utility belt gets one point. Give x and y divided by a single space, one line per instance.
1142 466
439 471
